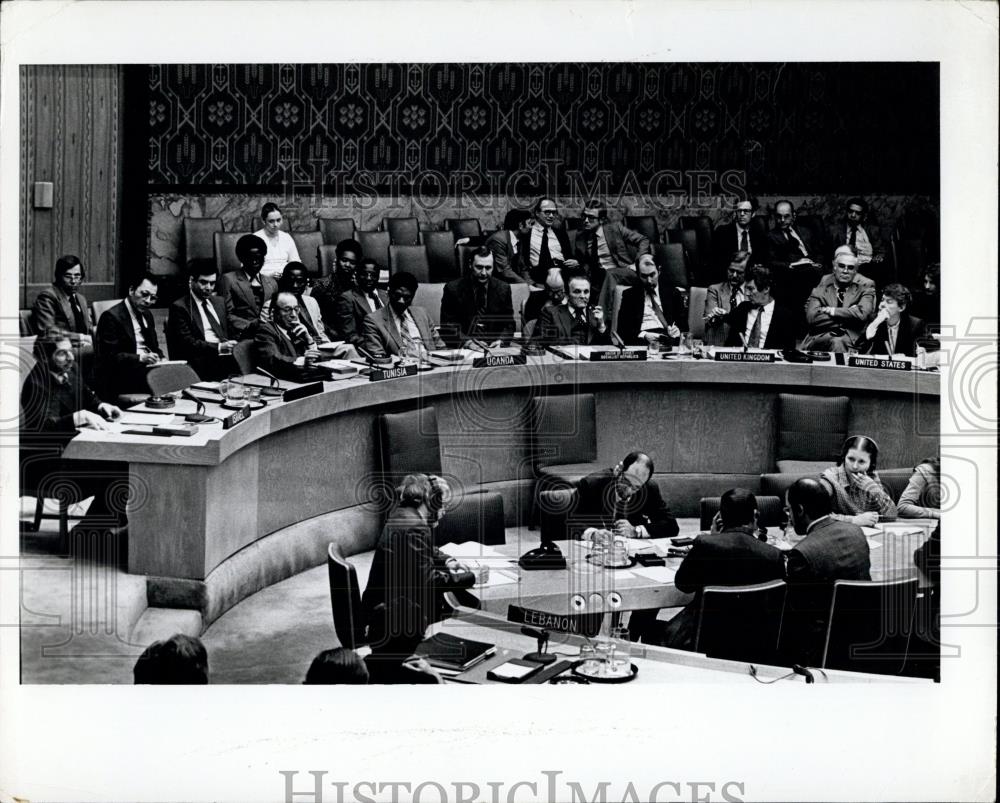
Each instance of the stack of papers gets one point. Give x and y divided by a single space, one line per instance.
146 419
471 549
663 574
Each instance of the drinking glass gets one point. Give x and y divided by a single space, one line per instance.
235 390
622 652
697 345
688 340
619 552
653 348
588 657
252 394
603 655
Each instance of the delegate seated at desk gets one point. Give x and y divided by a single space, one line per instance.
575 322
278 343
647 309
127 344
399 329
477 307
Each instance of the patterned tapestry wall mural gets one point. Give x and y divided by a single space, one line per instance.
614 128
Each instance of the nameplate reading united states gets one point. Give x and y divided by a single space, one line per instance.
855 361
231 421
380 374
499 360
744 356
617 355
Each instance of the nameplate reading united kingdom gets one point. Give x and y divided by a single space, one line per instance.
617 355
231 421
499 360
744 356
381 374
855 361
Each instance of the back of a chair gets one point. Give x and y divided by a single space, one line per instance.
345 599
463 227
759 226
327 260
463 259
408 443
243 354
476 517
518 297
616 306
199 237
335 229
771 510
24 322
572 223
375 245
672 259
98 308
308 243
814 224
170 378
225 250
428 298
811 428
565 429
701 225
440 254
410 258
869 625
741 623
645 225
696 312
402 230
554 508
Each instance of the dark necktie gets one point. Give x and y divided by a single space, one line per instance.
595 260
744 241
79 322
754 342
656 309
210 315
148 334
376 301
544 257
840 296
853 239
480 300
733 300
306 319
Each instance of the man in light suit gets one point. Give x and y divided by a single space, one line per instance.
760 322
832 550
545 246
839 307
723 298
574 322
505 246
352 306
399 328
62 309
477 306
197 327
647 311
740 235
246 290
126 342
604 246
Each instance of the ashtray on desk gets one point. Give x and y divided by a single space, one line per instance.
239 404
629 562
825 356
595 672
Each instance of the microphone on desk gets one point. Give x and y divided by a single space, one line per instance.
542 655
617 340
372 359
480 345
743 340
199 416
275 388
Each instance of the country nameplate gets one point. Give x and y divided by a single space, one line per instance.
617 356
859 361
381 374
240 415
744 356
499 360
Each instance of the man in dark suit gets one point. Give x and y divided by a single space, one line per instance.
787 245
553 295
399 328
126 342
544 246
839 307
604 246
505 246
352 306
739 235
831 550
851 231
477 307
894 330
281 341
730 555
759 322
647 308
246 290
723 298
197 327
575 322
328 289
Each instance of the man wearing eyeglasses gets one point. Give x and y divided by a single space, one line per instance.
62 309
126 341
603 246
723 298
840 306
739 235
544 247
280 342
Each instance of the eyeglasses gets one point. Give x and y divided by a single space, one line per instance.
73 277
548 211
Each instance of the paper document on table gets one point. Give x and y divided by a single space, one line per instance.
870 531
497 578
663 574
470 549
146 419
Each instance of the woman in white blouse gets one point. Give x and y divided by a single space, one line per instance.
280 246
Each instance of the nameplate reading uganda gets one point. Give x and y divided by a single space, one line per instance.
744 356
617 355
855 361
499 360
380 374
231 421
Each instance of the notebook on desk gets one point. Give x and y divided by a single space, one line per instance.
454 653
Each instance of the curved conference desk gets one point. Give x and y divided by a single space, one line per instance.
217 516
